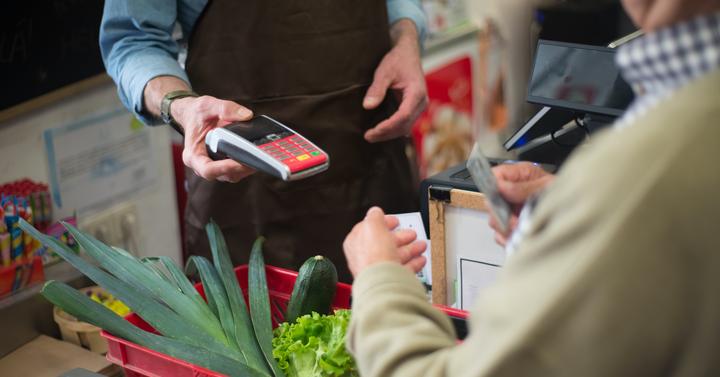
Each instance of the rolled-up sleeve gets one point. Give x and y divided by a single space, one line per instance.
137 45
410 9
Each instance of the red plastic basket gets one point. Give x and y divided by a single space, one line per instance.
141 361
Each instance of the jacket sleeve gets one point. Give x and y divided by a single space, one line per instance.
137 45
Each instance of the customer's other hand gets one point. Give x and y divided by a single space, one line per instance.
516 183
400 71
372 241
199 115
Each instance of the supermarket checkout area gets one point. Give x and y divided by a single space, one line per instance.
544 138
569 114
28 318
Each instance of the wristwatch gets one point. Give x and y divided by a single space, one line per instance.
165 107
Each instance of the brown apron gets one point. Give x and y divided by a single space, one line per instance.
307 64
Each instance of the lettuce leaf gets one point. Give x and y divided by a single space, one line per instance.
314 346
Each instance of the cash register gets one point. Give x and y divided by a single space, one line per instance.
580 90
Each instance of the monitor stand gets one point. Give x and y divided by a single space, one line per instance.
554 147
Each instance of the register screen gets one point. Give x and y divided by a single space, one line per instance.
578 77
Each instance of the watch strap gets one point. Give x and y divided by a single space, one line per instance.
165 104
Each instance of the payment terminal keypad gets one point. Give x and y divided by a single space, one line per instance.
292 150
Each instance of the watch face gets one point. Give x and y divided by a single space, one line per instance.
165 117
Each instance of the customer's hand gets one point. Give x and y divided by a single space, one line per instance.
372 241
199 115
516 183
400 71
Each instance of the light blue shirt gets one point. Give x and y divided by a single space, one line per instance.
137 44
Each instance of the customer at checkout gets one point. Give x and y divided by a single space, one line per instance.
616 272
328 69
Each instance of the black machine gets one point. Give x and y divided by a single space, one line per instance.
576 84
457 177
269 146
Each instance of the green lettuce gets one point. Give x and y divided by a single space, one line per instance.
314 346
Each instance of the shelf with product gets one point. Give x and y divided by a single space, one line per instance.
25 264
21 257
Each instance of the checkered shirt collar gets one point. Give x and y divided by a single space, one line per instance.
672 57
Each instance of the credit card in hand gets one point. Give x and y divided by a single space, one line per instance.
480 170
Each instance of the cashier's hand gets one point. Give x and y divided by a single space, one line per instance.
517 182
372 241
199 115
401 72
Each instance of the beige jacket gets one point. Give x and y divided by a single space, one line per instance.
620 275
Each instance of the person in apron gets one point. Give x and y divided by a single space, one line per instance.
310 65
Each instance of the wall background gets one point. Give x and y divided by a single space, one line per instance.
22 154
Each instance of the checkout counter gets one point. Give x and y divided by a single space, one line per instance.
581 91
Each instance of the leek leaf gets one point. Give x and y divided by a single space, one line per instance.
179 278
216 296
243 330
80 306
260 305
183 282
134 272
163 319
152 263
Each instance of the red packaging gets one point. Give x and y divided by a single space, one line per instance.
20 275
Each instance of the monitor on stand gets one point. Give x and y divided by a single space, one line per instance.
572 81
578 78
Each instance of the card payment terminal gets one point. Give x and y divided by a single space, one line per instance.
265 144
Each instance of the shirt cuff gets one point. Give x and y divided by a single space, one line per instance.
412 10
378 278
138 72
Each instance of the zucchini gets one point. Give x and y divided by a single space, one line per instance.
314 288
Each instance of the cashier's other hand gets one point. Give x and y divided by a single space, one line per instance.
400 72
372 241
517 182
199 115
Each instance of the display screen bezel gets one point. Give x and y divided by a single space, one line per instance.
257 128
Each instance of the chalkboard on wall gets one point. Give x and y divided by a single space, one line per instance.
46 45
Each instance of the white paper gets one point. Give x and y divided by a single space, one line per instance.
475 277
467 236
413 221
97 161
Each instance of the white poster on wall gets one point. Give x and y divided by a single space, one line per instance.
98 161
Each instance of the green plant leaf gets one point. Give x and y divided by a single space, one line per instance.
216 296
143 278
260 305
243 326
80 306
